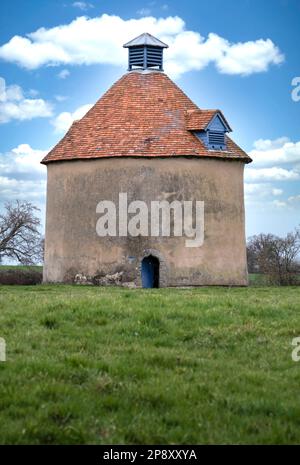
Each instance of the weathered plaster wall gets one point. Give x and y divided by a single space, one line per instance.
75 188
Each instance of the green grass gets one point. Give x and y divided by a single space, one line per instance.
21 267
257 279
109 365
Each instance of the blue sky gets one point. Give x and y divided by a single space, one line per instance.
58 57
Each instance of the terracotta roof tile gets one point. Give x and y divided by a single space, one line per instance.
141 115
197 120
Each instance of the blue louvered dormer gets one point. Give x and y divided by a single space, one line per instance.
145 52
213 135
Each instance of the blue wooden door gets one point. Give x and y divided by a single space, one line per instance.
150 272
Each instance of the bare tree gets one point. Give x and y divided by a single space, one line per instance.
20 238
275 256
252 261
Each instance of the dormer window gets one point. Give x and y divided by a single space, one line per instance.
210 127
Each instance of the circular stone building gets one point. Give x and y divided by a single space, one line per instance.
120 179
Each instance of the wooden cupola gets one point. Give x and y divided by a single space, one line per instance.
145 52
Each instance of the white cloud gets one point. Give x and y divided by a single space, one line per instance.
22 159
12 189
99 40
64 120
83 5
60 98
292 203
63 74
267 170
275 152
276 191
249 57
279 204
294 199
144 12
22 175
268 144
259 190
13 105
13 92
33 92
271 174
263 196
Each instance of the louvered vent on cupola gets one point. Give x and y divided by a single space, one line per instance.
145 52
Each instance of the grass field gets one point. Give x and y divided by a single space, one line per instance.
21 267
109 365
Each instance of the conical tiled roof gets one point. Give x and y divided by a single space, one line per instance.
144 114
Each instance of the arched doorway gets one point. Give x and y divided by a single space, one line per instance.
150 272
